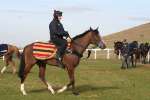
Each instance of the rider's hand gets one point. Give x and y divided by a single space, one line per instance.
68 39
67 34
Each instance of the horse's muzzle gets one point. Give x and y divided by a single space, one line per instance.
102 45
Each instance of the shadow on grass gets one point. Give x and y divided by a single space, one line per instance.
45 89
38 90
8 72
86 88
80 89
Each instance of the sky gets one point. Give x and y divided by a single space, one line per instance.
26 21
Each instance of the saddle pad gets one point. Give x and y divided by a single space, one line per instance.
3 49
43 51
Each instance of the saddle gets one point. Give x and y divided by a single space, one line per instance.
43 51
3 49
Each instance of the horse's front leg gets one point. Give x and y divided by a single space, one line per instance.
132 60
71 83
135 61
144 59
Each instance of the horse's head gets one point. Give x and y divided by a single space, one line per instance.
96 38
117 47
146 47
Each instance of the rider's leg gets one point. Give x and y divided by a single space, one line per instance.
61 45
62 48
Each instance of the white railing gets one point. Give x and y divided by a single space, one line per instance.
95 52
108 53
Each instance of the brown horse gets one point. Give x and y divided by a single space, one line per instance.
8 56
70 60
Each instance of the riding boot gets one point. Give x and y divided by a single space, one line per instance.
59 61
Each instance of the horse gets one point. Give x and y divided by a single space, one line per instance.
7 51
144 49
128 51
122 49
117 47
134 52
70 60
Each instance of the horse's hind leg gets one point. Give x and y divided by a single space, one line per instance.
123 62
26 71
8 61
13 67
129 61
12 63
6 64
144 60
42 68
132 60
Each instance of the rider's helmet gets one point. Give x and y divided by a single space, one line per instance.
57 14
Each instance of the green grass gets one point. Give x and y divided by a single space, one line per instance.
95 80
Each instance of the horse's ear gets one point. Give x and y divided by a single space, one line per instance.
54 10
91 29
97 28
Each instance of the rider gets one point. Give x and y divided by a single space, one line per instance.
125 41
57 34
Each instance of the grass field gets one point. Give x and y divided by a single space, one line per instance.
95 80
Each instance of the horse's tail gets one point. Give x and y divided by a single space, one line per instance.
22 65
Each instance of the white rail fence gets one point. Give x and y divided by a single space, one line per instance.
96 50
108 51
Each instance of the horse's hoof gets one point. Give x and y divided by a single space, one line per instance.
76 93
23 92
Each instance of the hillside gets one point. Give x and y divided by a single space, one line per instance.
139 33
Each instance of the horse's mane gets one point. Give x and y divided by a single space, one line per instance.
81 35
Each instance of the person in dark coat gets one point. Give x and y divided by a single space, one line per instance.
57 34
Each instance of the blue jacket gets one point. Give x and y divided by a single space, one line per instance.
57 30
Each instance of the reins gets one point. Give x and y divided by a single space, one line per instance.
76 52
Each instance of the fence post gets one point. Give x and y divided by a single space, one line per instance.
108 53
119 57
148 56
95 54
107 49
3 58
